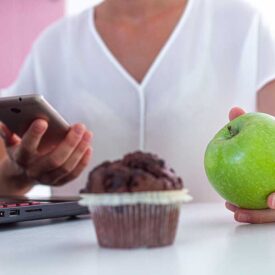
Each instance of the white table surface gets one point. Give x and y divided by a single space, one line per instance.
209 241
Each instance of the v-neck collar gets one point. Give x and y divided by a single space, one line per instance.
158 58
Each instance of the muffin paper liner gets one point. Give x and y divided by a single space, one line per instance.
133 226
118 199
132 220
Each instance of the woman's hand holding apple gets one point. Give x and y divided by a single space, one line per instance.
247 215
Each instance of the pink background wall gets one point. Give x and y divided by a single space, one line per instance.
20 23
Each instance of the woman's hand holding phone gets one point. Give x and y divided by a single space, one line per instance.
25 164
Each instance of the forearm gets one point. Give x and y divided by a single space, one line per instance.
13 181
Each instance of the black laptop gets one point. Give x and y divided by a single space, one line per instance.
17 209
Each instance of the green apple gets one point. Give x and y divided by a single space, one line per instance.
240 160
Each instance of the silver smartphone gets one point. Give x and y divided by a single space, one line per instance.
18 112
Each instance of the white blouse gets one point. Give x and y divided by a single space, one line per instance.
218 56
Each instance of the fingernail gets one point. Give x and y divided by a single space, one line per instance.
87 137
243 217
231 207
78 129
39 127
272 202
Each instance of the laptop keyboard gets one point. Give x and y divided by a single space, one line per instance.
17 209
9 204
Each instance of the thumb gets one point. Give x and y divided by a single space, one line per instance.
271 201
235 112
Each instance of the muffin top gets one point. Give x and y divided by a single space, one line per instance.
136 172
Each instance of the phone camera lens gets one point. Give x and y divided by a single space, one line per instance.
16 110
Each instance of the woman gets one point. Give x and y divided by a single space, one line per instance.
154 75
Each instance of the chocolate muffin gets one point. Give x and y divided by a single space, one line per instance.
135 201
136 172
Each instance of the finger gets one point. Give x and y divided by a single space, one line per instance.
34 134
60 154
13 145
271 201
64 150
255 216
235 112
231 207
71 163
15 140
78 169
8 137
30 142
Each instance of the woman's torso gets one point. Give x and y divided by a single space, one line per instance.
184 98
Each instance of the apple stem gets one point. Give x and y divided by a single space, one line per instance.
233 132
